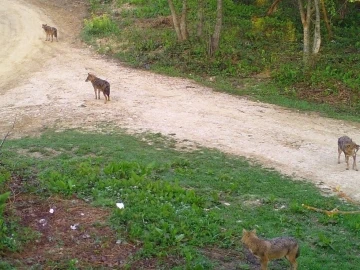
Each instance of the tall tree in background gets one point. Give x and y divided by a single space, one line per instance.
214 41
326 19
307 8
201 17
183 23
317 32
273 7
180 27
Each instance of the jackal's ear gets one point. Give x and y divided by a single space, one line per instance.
254 231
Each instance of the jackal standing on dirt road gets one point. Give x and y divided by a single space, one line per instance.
99 85
50 31
350 148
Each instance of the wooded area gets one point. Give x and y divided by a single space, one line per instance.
306 49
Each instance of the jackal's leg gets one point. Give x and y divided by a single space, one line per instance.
339 151
95 92
354 163
347 161
106 97
292 260
264 262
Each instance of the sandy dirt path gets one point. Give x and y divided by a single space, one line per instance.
51 92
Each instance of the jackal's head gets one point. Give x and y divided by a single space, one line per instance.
44 26
247 236
351 148
357 147
90 77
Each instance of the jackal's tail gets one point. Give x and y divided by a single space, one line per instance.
55 32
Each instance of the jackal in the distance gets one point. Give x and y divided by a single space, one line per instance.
99 85
271 249
50 31
346 145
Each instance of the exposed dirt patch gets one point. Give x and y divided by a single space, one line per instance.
68 229
345 96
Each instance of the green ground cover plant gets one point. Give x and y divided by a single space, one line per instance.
177 204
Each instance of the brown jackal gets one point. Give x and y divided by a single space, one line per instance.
99 85
50 31
346 145
275 248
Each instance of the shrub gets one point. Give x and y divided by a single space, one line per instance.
100 25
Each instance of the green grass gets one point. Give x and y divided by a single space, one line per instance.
179 203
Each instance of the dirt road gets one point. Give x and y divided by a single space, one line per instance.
43 85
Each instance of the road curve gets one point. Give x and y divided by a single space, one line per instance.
21 41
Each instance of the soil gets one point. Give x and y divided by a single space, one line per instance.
42 85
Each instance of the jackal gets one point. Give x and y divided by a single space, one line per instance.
346 145
271 249
99 85
50 31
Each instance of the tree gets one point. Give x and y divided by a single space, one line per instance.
273 7
307 10
180 27
317 33
326 19
183 24
215 38
200 14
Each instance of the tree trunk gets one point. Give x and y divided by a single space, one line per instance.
175 20
183 26
343 9
215 38
200 26
326 19
273 7
317 33
306 22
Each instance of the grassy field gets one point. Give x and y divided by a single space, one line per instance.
183 208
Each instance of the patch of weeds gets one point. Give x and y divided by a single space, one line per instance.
6 266
324 241
100 25
165 217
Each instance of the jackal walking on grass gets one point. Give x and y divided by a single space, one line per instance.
271 249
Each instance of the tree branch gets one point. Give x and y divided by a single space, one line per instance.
330 213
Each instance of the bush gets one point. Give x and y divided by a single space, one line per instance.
100 25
